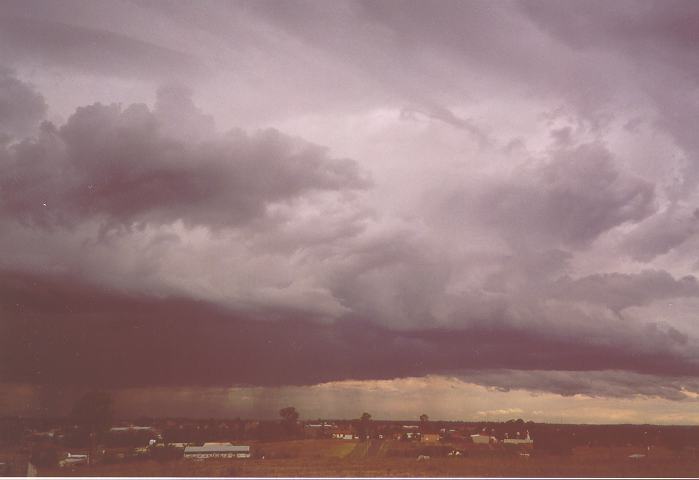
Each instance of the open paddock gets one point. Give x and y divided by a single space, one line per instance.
335 458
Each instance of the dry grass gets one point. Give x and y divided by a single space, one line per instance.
306 449
504 467
333 458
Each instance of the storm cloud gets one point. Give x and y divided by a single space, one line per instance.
120 166
293 194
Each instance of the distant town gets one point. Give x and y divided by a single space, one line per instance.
90 442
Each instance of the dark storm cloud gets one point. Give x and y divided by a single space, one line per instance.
89 50
61 330
128 166
21 106
142 247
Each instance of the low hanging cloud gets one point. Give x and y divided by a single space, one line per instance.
68 332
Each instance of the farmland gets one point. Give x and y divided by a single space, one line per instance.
393 458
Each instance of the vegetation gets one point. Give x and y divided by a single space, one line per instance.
364 425
290 419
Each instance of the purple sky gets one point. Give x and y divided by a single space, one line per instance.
348 206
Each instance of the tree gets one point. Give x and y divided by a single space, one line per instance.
289 414
289 418
424 418
364 422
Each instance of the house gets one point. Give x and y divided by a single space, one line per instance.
483 439
411 431
318 430
36 436
342 434
217 450
527 441
320 425
429 437
131 428
73 459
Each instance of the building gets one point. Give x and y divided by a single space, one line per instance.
411 432
319 430
73 459
130 428
320 425
527 441
483 439
429 437
342 434
217 450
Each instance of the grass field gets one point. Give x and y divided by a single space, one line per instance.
336 458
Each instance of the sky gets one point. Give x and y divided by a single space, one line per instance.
469 209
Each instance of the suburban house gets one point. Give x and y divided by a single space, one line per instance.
217 450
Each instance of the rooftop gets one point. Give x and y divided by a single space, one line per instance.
217 447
